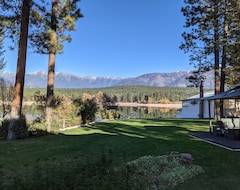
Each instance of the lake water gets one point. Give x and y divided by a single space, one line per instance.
147 112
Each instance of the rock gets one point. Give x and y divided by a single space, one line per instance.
184 158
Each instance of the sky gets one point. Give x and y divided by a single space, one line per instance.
115 38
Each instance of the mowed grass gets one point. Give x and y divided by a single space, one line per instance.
119 141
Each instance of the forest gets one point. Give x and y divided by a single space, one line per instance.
123 93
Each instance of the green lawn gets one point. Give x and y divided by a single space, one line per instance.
86 152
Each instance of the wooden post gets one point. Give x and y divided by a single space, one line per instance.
201 103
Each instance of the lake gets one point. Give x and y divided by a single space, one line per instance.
147 112
126 112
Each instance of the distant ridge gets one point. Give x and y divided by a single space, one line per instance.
38 79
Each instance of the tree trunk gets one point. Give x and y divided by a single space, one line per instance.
50 90
216 62
16 108
201 106
51 65
224 55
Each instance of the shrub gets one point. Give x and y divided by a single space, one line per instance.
165 101
4 129
21 128
38 127
88 111
160 172
110 114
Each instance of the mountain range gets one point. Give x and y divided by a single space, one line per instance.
66 80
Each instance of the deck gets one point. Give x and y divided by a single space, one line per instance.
221 141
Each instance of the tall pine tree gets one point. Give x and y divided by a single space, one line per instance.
55 24
209 38
16 108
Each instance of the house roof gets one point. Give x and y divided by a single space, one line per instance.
229 94
197 97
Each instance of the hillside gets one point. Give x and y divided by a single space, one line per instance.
66 80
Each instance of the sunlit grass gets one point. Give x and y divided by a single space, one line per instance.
122 141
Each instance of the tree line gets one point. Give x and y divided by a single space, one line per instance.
141 94
82 106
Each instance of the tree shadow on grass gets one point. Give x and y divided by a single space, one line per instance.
119 141
133 138
128 138
158 129
150 127
136 131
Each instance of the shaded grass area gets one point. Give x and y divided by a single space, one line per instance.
86 152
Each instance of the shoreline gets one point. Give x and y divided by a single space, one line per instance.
134 104
155 105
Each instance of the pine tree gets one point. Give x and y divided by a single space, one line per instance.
13 15
207 42
2 51
16 108
233 33
54 25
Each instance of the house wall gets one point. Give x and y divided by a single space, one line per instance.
190 109
206 109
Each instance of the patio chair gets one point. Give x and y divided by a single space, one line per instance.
221 130
210 126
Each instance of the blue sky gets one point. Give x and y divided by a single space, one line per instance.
124 38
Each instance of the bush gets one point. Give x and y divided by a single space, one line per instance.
110 114
21 128
164 101
88 111
38 127
160 172
4 129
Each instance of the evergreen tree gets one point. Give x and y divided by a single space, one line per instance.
16 108
207 42
54 25
233 40
51 63
14 17
2 58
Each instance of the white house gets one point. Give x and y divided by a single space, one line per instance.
231 101
191 107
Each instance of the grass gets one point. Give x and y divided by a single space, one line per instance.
86 153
